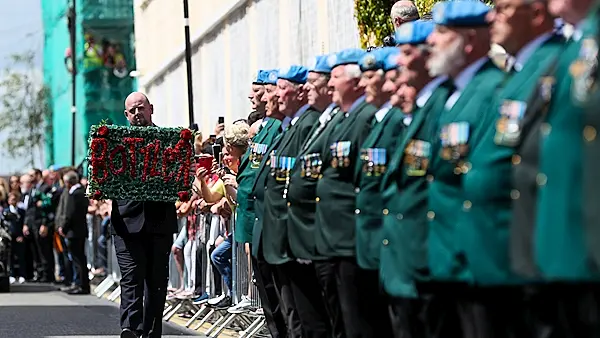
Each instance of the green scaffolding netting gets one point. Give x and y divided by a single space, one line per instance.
104 57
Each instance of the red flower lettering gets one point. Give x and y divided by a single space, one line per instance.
132 141
186 134
103 131
99 148
118 150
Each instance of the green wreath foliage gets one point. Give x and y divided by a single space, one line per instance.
374 22
140 163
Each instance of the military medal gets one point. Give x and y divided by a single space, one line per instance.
454 138
303 171
363 159
547 84
382 161
318 165
508 126
346 153
583 71
416 157
375 161
334 159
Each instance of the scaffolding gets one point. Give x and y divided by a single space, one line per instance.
104 56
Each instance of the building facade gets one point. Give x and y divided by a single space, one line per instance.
231 39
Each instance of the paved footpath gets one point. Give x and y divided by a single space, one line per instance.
39 311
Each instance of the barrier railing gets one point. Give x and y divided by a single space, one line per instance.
243 316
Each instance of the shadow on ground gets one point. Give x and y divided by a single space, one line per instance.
33 288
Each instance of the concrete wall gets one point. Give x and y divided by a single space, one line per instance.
231 40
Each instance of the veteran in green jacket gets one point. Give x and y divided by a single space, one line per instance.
387 129
263 271
403 254
562 247
301 202
336 195
485 222
460 44
299 121
249 162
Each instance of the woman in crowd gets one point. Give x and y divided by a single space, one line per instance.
223 194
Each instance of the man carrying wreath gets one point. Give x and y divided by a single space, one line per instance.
143 235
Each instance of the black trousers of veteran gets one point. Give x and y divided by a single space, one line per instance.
269 298
363 306
299 284
143 236
455 309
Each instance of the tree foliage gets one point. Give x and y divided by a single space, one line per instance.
374 22
25 113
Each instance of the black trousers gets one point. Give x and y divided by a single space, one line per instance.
407 317
287 301
326 276
76 247
308 301
563 310
460 310
143 259
17 261
45 257
363 304
270 302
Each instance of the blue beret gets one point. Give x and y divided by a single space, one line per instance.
345 57
319 64
261 77
414 32
370 61
460 13
390 58
272 76
377 58
296 74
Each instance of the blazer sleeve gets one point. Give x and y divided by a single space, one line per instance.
70 212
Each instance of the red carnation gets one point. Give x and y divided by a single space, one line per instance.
97 195
186 134
103 131
184 196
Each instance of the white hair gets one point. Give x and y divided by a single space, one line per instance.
352 71
404 11
443 62
236 135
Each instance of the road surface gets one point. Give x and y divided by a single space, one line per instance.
39 311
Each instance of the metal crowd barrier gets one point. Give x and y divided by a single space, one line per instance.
205 318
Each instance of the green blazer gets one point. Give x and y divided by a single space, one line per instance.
591 151
336 195
460 129
403 249
274 222
371 164
247 173
485 219
257 194
560 240
301 196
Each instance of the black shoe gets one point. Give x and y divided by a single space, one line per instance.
68 288
78 291
127 333
225 303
